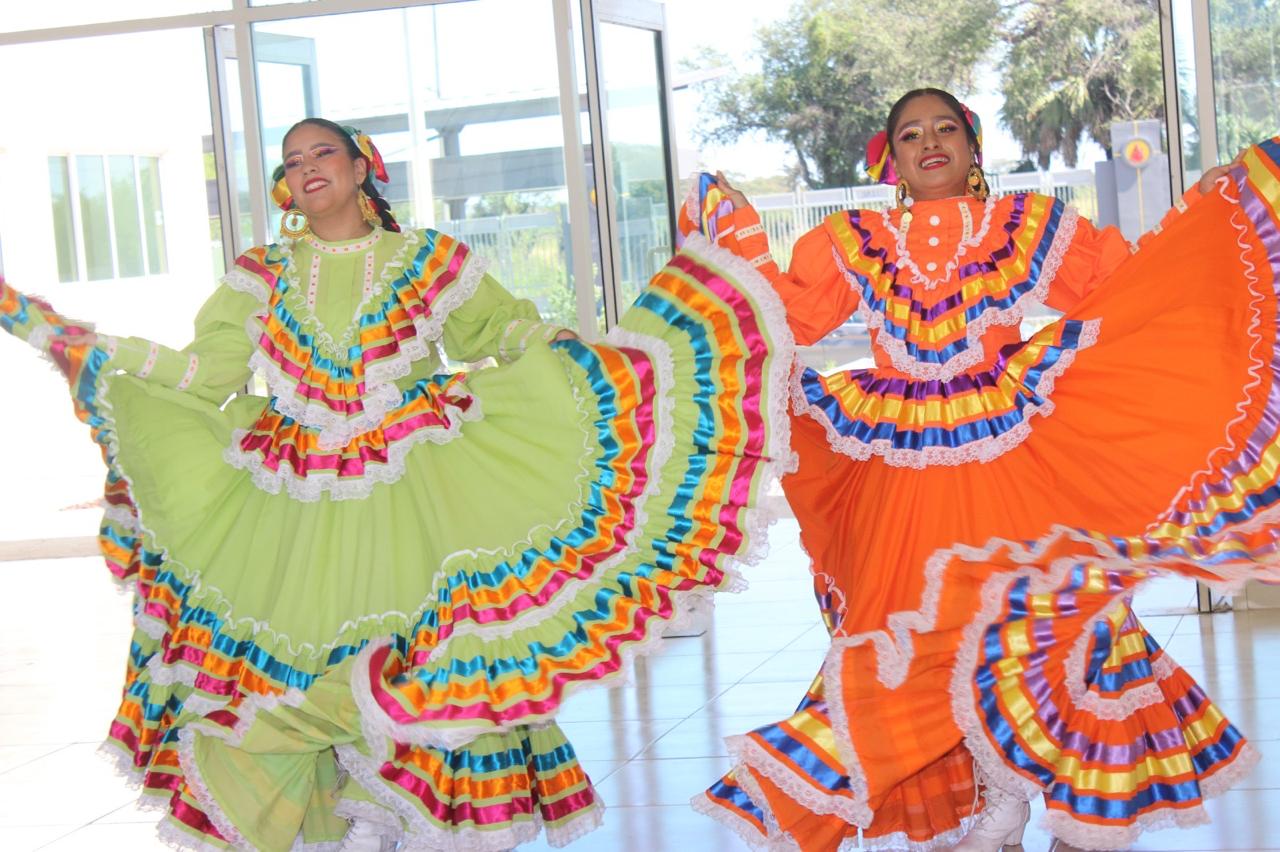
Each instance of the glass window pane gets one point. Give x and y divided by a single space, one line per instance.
1188 108
19 16
124 212
473 146
64 223
278 84
239 165
637 150
95 229
1245 35
153 215
586 130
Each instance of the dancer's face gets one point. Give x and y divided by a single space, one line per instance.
931 150
323 177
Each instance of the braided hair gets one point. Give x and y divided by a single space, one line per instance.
368 187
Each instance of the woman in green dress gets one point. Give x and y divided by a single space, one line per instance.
361 601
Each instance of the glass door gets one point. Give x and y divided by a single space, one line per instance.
634 100
1227 56
636 147
1244 37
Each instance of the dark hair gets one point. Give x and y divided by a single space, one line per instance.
370 189
954 105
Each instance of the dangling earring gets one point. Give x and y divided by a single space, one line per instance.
905 201
368 210
294 224
978 183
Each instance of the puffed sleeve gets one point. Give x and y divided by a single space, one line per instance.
1094 253
216 362
494 323
1088 260
817 297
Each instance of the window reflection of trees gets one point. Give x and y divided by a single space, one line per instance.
1246 71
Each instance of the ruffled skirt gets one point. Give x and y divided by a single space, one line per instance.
978 596
398 657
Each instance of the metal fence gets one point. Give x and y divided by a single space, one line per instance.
522 248
786 216
529 252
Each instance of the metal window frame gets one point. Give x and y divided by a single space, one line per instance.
111 215
638 14
215 50
77 218
1206 100
606 201
575 166
77 213
73 210
240 18
163 247
240 14
1172 102
668 120
228 35
134 160
254 155
1207 128
144 239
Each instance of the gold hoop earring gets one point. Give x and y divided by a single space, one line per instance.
904 199
294 224
977 182
368 210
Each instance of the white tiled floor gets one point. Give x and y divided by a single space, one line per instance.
649 746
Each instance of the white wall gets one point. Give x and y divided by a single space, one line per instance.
139 94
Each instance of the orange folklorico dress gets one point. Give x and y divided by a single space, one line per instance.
977 509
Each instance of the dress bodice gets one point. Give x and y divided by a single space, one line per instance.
943 297
348 337
334 288
943 291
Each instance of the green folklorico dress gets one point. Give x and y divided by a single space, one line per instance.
366 597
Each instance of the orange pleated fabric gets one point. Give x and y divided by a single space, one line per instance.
1170 364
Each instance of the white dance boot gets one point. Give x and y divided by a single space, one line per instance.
366 836
999 826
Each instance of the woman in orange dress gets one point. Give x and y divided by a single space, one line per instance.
977 507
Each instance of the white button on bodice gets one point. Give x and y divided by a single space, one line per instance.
933 241
931 266
935 220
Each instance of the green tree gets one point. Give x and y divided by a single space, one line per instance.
1073 67
509 203
528 258
1246 71
767 185
832 68
641 171
561 307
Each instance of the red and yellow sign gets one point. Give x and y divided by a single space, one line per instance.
1137 152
